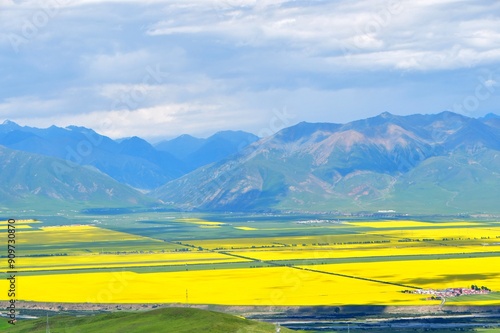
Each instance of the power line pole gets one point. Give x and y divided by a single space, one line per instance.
47 329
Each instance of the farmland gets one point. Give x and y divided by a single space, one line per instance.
280 260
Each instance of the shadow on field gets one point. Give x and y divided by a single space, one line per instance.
473 278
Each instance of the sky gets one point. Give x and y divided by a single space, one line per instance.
160 68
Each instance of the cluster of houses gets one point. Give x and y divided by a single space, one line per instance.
451 292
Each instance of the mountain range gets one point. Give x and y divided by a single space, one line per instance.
132 161
436 163
419 163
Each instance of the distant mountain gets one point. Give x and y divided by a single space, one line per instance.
492 120
132 161
182 146
34 181
196 152
442 163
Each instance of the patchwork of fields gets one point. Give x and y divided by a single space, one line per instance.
253 262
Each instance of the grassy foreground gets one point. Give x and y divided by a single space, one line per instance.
179 320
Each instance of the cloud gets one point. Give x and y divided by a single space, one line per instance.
406 34
208 65
154 123
29 106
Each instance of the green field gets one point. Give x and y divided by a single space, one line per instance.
495 296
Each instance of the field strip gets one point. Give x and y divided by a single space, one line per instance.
322 272
354 277
248 263
412 224
389 236
29 221
291 265
267 286
437 274
179 262
145 269
395 258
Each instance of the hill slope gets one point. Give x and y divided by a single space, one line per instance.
30 180
178 320
444 163
132 161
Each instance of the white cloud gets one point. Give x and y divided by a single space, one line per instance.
31 106
228 64
156 122
363 27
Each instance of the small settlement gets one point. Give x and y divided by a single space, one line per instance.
450 292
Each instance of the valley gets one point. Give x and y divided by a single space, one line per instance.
282 260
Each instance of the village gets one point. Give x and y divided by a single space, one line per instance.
450 292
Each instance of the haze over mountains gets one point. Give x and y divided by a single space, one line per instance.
196 152
32 180
441 163
132 161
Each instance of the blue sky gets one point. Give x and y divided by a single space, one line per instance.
161 68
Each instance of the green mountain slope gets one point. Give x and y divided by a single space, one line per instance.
31 180
170 320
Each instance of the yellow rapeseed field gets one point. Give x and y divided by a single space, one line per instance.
262 286
75 233
374 250
198 221
435 274
88 246
85 239
18 222
121 260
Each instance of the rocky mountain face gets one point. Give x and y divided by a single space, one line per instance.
427 163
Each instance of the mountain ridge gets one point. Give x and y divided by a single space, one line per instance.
435 163
360 165
132 161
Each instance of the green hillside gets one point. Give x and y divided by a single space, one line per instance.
36 181
178 320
